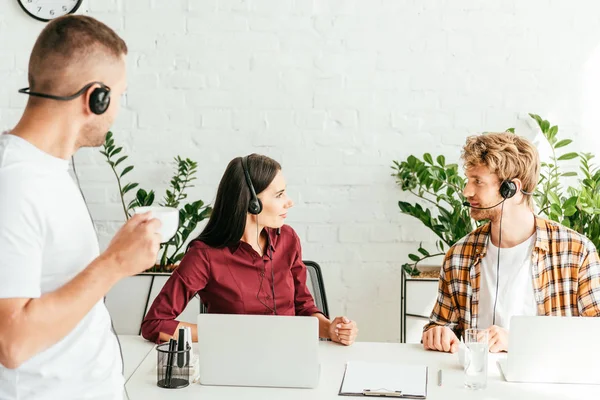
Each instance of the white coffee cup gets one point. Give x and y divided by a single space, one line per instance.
168 216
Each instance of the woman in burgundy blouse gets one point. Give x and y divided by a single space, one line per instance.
244 262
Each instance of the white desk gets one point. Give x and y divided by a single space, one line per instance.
135 349
142 385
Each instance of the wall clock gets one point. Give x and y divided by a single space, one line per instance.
46 10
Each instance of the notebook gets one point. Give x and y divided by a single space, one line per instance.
258 350
572 361
363 378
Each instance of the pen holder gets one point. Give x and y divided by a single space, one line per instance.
173 367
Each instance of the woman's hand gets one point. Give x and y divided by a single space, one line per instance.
342 330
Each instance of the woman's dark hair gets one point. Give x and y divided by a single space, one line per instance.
227 221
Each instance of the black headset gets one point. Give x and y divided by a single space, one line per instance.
99 99
254 205
508 189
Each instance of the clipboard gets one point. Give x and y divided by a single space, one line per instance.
384 380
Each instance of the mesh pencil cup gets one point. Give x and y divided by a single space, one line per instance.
173 367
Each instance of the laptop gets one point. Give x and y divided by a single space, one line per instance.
258 350
553 350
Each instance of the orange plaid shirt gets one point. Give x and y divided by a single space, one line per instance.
566 276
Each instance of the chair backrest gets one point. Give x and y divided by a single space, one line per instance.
315 285
203 309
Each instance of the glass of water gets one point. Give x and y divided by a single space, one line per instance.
476 358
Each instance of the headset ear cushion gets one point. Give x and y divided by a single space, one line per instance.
260 206
255 206
99 100
508 189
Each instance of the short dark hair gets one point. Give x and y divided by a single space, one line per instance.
68 39
227 221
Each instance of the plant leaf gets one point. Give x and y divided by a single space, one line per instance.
129 186
414 257
545 126
126 170
423 251
568 156
569 211
120 160
556 209
441 160
562 143
427 157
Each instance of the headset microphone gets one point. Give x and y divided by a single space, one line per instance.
467 204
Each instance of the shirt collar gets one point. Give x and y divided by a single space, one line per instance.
271 241
541 241
542 227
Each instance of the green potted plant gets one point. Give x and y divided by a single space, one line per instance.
190 214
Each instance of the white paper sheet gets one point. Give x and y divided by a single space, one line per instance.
411 380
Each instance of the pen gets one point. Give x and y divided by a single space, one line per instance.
181 348
439 377
169 371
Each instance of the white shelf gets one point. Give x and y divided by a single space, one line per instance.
418 298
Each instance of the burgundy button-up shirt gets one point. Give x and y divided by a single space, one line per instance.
228 281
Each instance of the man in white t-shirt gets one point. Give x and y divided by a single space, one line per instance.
56 340
517 263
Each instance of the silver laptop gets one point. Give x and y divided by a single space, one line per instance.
553 350
258 350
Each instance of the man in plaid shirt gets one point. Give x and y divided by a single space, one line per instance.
517 263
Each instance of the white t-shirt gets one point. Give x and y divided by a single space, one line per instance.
46 239
515 287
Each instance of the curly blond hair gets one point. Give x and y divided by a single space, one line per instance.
507 155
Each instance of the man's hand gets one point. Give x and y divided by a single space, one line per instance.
135 246
343 331
497 339
440 338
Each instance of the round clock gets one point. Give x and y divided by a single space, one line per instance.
46 10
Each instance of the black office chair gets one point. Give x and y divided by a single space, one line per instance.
203 309
316 285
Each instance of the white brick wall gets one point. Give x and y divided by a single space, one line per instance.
335 90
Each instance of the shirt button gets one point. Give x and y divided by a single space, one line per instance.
262 274
268 297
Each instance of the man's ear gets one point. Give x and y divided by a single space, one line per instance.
86 99
519 184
